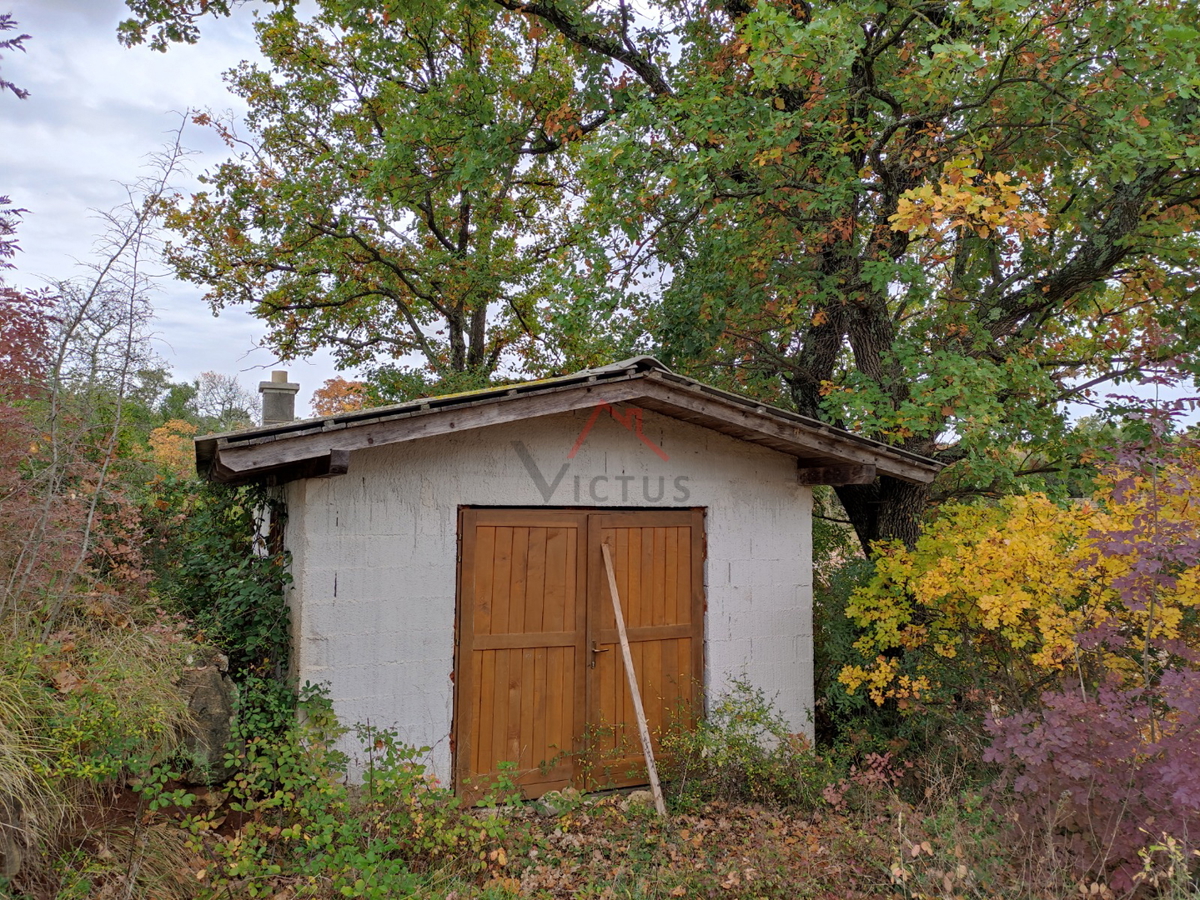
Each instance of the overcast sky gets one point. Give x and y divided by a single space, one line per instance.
94 112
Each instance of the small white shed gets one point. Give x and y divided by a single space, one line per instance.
447 571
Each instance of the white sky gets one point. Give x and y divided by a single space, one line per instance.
94 112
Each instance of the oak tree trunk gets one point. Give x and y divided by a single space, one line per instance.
888 509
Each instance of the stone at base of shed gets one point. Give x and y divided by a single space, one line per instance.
14 831
211 697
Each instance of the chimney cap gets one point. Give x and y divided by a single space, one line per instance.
279 383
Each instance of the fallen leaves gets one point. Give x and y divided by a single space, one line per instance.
917 849
66 681
722 850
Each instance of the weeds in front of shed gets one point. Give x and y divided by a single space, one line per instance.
292 820
744 751
289 825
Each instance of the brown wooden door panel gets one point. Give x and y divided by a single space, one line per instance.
520 692
533 602
658 564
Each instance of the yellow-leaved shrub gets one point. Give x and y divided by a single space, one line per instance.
1004 595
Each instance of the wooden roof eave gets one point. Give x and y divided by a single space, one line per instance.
208 446
297 450
233 460
763 425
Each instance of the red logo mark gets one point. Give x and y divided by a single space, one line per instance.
631 420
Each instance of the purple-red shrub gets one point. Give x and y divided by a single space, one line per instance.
1110 762
68 515
1108 773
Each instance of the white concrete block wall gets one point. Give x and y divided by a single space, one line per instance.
374 557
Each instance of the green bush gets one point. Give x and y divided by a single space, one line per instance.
213 562
840 713
745 751
936 738
303 825
82 711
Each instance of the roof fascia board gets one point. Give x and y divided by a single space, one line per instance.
240 458
816 425
237 460
207 445
803 437
326 465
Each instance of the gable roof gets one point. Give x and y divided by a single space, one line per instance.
319 447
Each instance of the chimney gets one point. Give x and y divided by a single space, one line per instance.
278 399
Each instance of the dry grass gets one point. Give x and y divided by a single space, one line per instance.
96 698
30 807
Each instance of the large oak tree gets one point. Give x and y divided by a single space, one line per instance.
934 223
396 195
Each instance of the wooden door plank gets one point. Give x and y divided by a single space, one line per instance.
499 714
485 724
535 616
467 746
671 574
527 745
570 722
611 705
541 707
576 697
516 691
658 576
526 640
638 651
481 567
541 517
642 633
606 697
620 538
648 518
676 688
653 697
652 598
519 582
646 571
466 683
556 684
501 580
635 615
535 582
597 706
555 592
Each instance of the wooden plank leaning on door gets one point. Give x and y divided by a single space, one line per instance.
631 680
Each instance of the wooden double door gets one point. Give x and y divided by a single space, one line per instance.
541 693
